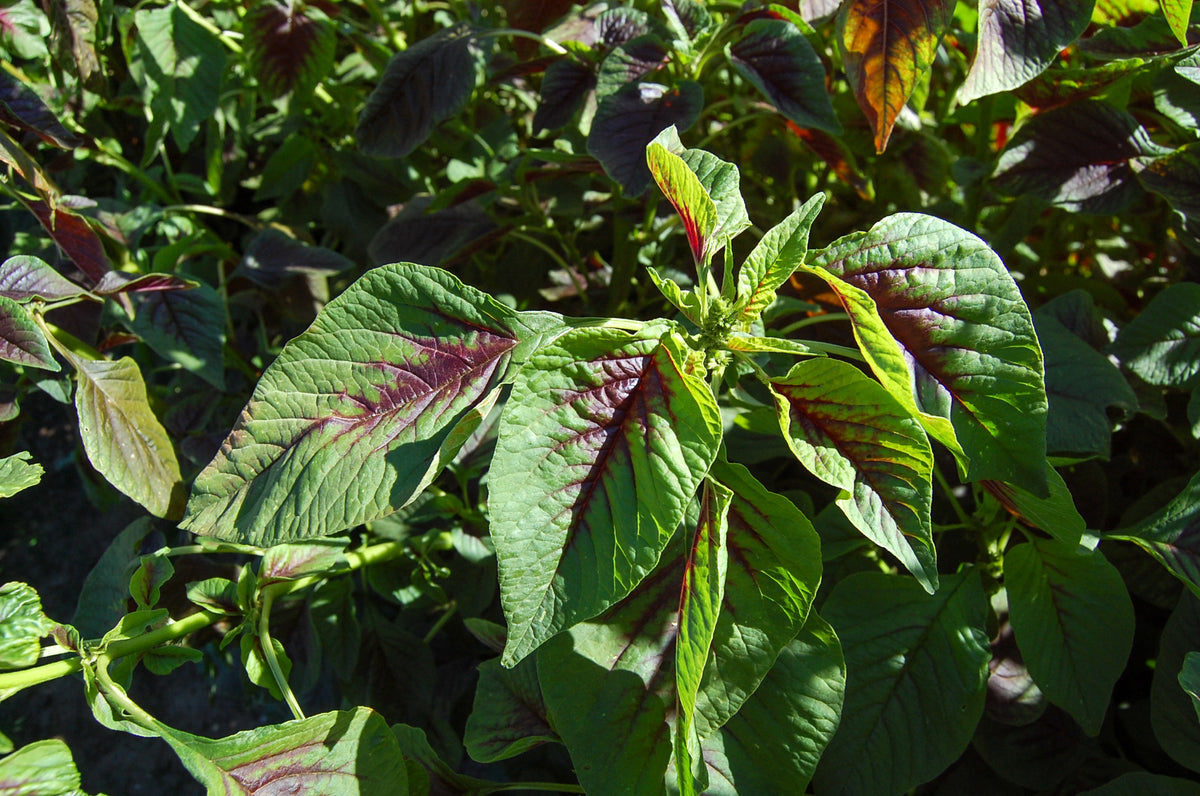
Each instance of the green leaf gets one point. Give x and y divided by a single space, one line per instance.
258 669
509 714
1143 783
421 87
774 259
1178 14
1172 535
1189 678
146 584
683 189
22 626
603 442
105 591
23 278
887 47
289 46
187 327
943 326
42 768
291 561
181 64
916 669
426 768
1162 343
849 432
123 439
776 58
688 303
1172 709
1018 39
774 742
22 340
1056 514
218 595
343 427
17 473
1176 178
1073 621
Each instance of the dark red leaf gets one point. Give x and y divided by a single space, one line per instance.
22 109
415 236
774 56
564 88
272 257
288 45
534 16
77 240
116 282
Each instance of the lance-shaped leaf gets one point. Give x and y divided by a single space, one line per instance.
950 336
887 46
603 443
628 120
71 232
1073 621
774 742
22 340
422 86
1172 714
1178 14
509 714
682 188
17 473
849 432
24 165
1090 173
115 282
916 672
22 625
187 327
22 109
1172 535
1018 39
774 259
1162 344
123 439
778 61
42 768
23 278
343 426
289 46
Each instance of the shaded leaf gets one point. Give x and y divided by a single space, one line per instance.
290 46
916 668
22 109
1056 514
1143 783
774 259
23 278
628 120
123 439
509 714
564 87
774 56
887 46
413 235
272 256
1073 621
73 26
849 432
1092 173
1172 709
423 85
22 340
1162 343
1189 678
18 473
105 593
78 241
604 441
628 62
1172 535
1018 39
1176 178
187 327
42 768
838 156
950 336
22 625
427 772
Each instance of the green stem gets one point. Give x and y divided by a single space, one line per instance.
163 635
107 157
524 34
115 695
441 622
66 343
355 559
823 318
214 211
833 348
963 518
15 681
553 787
226 37
268 647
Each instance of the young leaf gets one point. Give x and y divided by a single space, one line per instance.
185 326
774 56
23 278
42 768
1172 711
1178 14
1090 174
1162 343
123 439
146 584
916 670
1172 535
683 189
422 87
1018 39
887 46
604 441
22 626
22 340
849 432
343 426
509 714
774 259
17 473
950 336
628 120
289 46
291 561
1074 624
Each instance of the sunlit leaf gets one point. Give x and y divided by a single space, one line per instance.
1178 14
619 24
774 259
344 425
1074 624
22 109
887 46
42 768
187 327
1172 710
1162 343
916 668
1172 535
774 56
291 561
509 714
145 587
945 329
23 278
78 241
1020 38
123 439
289 45
686 194
422 86
18 473
22 625
73 26
22 340
603 443
628 62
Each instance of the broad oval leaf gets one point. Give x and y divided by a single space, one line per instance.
602 445
422 86
1091 173
22 625
1162 343
1073 621
22 340
1172 712
950 336
1018 39
849 432
289 46
778 61
185 326
17 473
271 257
343 426
1056 514
887 46
77 240
123 439
628 120
23 278
628 62
1172 535
42 768
916 672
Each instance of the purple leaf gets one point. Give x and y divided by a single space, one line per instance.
185 326
23 109
777 60
74 236
23 278
414 236
564 87
21 339
289 45
271 257
618 25
115 282
629 62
